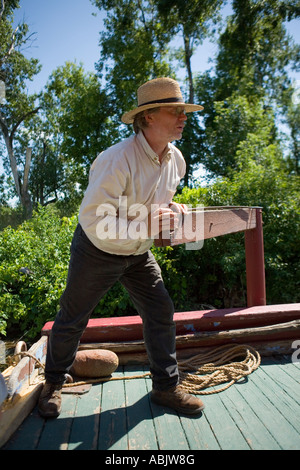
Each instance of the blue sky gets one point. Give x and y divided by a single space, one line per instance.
66 30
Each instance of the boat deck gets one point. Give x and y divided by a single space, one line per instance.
260 412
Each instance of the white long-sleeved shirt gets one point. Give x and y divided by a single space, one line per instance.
123 176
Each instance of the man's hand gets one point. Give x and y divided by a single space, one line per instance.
162 219
165 219
181 208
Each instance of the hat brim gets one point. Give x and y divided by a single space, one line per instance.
128 117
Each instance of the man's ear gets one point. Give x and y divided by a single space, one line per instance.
148 117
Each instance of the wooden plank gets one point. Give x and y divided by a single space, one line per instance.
291 369
28 434
24 387
110 329
202 224
234 318
287 405
270 333
199 433
16 410
141 432
287 377
130 327
168 427
113 427
85 426
265 348
253 430
226 431
269 412
279 331
56 432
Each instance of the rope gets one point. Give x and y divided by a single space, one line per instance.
199 372
27 354
107 379
217 367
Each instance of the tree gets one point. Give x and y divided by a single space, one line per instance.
256 51
17 109
253 62
237 121
293 121
47 172
76 125
133 50
192 20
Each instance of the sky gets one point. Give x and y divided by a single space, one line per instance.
66 30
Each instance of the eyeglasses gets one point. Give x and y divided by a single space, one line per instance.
177 111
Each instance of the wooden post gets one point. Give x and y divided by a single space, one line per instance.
255 263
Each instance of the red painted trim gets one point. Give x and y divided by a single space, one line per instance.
130 328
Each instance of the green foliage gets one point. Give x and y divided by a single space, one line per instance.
12 216
240 129
134 49
34 260
255 50
72 131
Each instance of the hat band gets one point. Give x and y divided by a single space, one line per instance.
165 100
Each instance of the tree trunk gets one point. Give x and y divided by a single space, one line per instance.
188 54
21 188
25 196
12 159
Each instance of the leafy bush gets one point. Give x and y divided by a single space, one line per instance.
34 260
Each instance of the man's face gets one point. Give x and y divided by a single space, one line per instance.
168 123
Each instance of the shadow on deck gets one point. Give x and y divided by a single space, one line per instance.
261 412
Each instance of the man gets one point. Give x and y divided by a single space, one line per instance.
128 202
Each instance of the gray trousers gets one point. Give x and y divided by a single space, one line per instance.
91 274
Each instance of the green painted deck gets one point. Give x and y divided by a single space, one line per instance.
261 412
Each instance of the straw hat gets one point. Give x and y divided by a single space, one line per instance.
156 93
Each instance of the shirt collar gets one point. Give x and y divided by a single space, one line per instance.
150 152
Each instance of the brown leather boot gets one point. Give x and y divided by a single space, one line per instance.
177 399
50 400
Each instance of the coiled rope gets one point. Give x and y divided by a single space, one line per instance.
225 364
216 367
